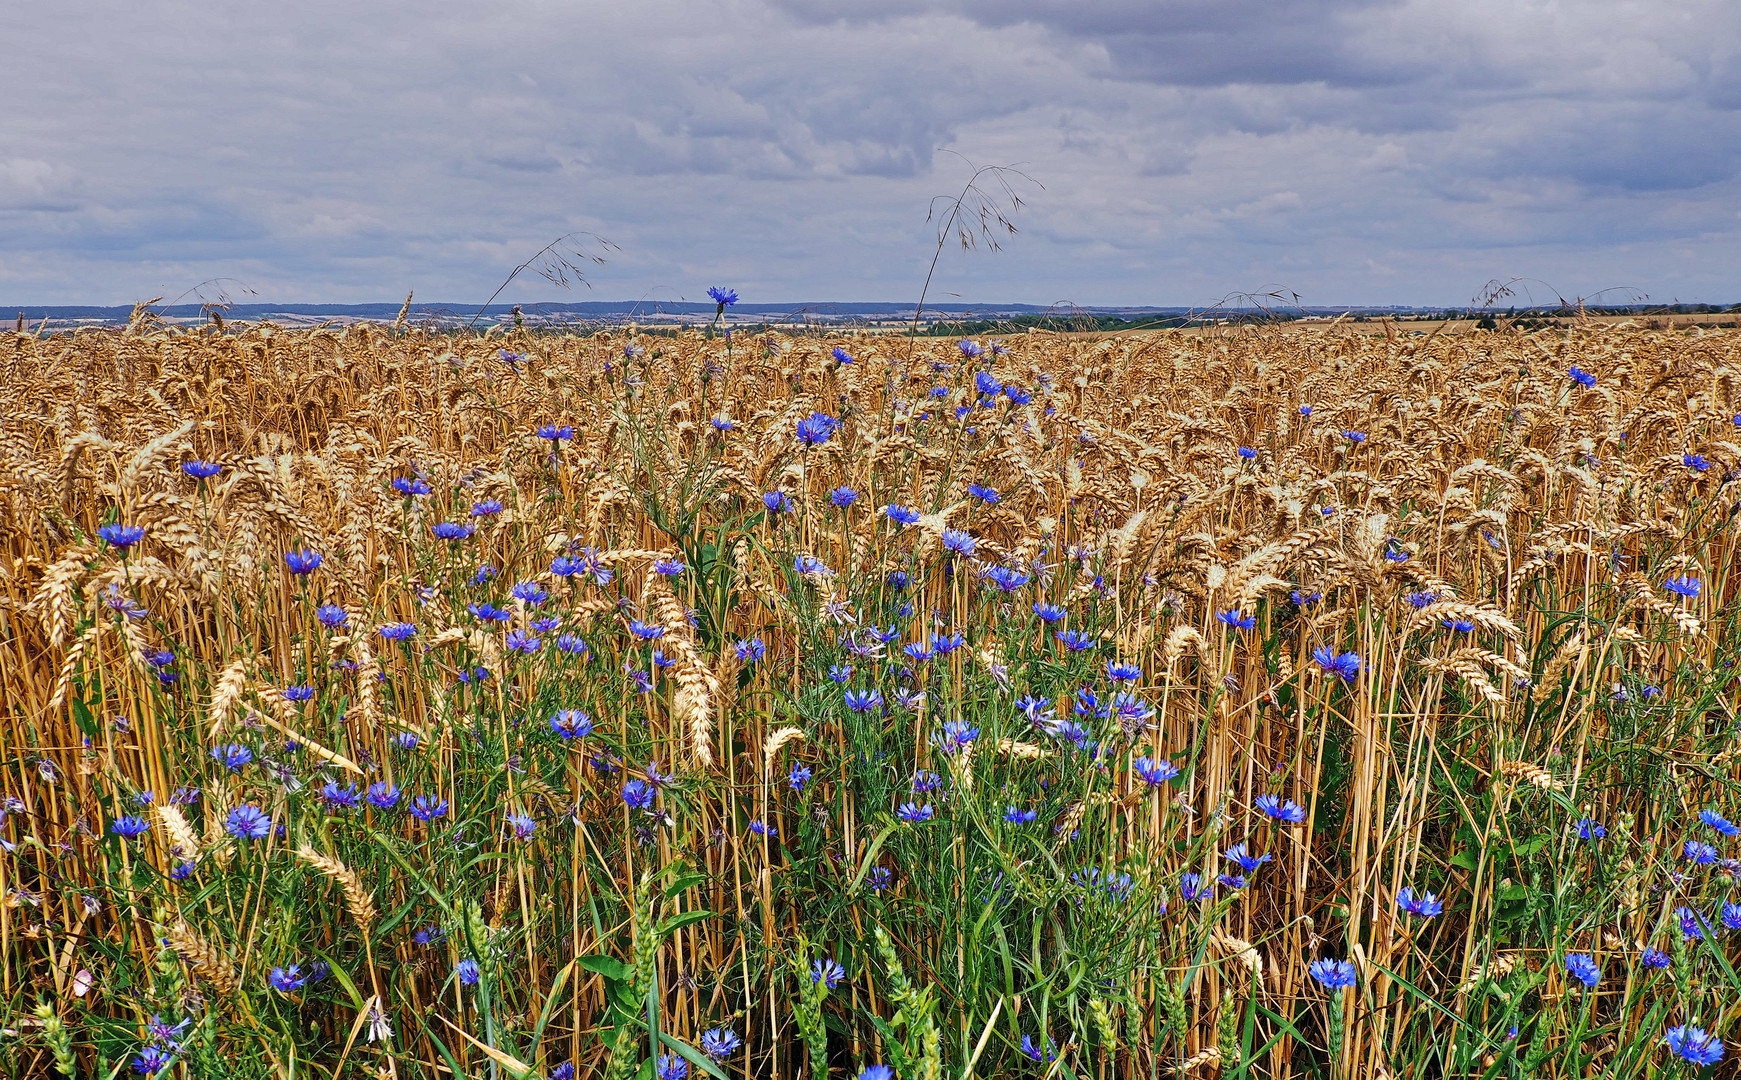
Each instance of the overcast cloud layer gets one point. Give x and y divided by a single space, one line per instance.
1352 151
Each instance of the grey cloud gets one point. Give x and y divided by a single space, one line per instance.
1371 150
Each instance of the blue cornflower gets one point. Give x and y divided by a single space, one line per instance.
1154 773
201 470
881 877
232 756
646 631
842 356
149 1061
1719 823
531 592
816 429
1015 815
863 700
1422 905
523 641
897 580
1305 410
1695 462
383 795
572 644
1005 578
1694 1044
406 740
1075 640
1247 453
672 1067
983 494
762 828
722 423
397 631
1580 967
1231 881
1281 809
1683 586
944 645
1457 626
809 564
828 973
427 808
876 1072
1654 958
777 502
544 624
1118 672
466 971
1354 436
122 537
1233 618
956 736
926 780
571 723
302 562
1346 665
843 497
1699 852
638 794
1301 599
522 825
555 433
248 822
340 797
485 572
720 1043
723 297
287 980
1042 1052
1693 924
298 694
1334 974
1581 377
129 826
969 348
1419 600
410 485
901 515
959 542
752 650
1049 612
564 1071
840 673
331 616
798 776
450 530
1731 916
1248 862
1192 889
912 813
487 508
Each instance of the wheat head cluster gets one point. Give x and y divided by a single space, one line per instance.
1285 702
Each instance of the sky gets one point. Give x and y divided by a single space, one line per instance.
1167 152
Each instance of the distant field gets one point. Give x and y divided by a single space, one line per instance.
1324 701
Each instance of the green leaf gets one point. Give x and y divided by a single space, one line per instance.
678 922
608 966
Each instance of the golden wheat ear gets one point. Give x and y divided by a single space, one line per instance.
357 899
204 959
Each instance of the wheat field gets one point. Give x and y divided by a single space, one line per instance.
1272 703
